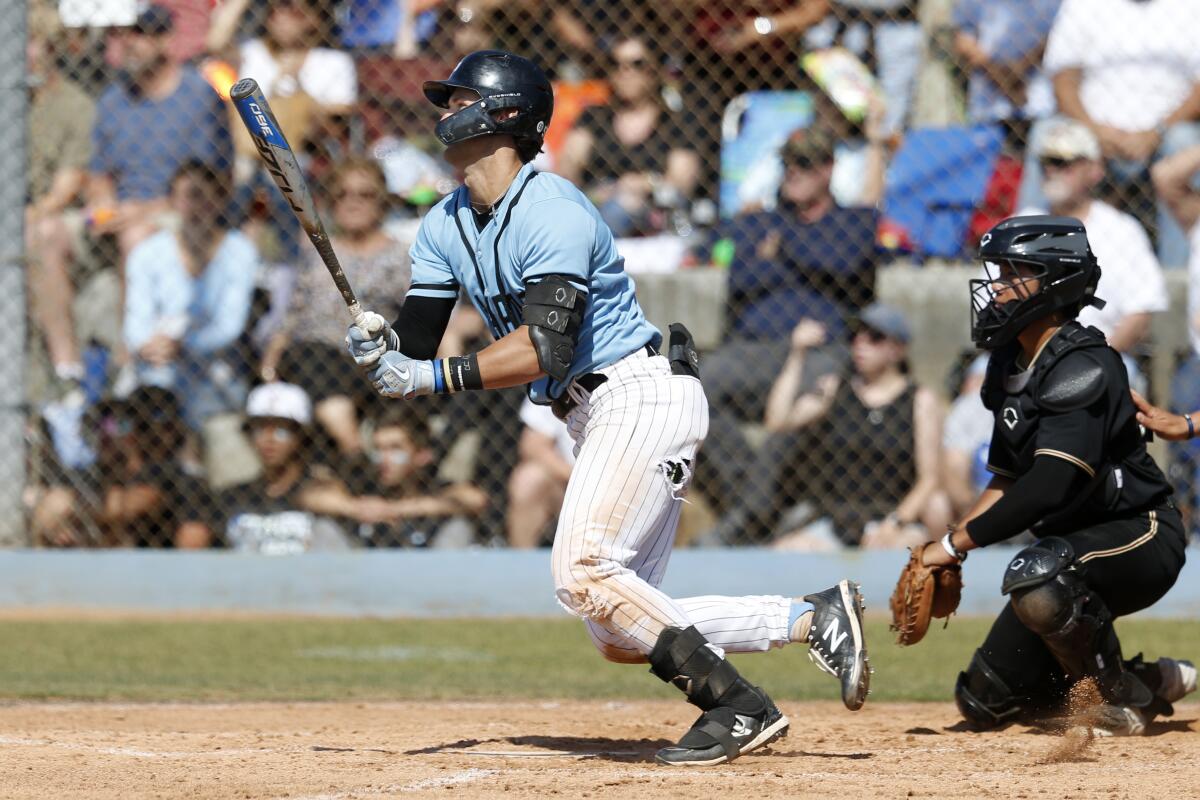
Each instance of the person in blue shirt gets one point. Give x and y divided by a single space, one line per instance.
156 117
187 299
534 257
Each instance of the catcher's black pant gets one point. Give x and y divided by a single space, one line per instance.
1130 562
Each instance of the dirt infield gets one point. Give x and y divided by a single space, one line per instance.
565 750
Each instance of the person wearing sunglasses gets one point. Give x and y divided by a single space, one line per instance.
307 349
872 441
1133 283
633 157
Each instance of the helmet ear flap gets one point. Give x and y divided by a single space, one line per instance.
502 80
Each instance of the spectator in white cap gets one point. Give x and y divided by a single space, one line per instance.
1131 280
279 512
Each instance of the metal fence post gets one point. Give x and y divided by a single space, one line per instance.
13 109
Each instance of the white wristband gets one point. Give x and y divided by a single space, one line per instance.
948 546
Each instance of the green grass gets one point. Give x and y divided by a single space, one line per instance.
317 659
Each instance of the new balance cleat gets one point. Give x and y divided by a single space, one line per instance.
722 734
836 642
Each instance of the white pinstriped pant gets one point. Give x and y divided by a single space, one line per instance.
618 520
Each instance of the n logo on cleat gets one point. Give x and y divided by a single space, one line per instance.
834 635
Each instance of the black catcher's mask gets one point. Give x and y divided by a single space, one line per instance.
1056 250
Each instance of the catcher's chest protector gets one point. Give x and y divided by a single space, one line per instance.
1039 411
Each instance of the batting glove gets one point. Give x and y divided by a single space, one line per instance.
369 341
397 375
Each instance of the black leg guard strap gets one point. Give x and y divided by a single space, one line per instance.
713 726
681 656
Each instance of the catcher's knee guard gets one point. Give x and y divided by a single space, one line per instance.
1050 597
682 657
1046 592
983 698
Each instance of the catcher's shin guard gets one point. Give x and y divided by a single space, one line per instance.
983 698
1052 600
737 718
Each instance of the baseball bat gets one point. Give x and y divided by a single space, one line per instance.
281 162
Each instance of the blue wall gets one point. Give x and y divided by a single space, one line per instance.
451 583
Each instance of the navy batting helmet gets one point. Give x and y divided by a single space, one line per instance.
502 81
1057 250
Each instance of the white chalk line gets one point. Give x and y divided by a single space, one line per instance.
439 782
131 751
541 753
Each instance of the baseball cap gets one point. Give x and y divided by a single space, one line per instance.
280 401
154 21
807 144
886 319
1068 139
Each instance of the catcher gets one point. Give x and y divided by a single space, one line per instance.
1069 463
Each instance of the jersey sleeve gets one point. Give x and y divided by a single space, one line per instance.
432 275
1076 436
1001 459
558 236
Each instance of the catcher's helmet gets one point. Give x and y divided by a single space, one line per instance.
502 81
1057 249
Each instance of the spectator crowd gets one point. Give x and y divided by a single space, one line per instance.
186 373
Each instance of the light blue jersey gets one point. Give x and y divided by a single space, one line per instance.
543 226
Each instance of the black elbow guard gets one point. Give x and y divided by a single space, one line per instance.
554 313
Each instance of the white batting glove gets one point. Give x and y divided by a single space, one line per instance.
370 340
397 375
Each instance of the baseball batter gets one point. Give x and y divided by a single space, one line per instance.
533 255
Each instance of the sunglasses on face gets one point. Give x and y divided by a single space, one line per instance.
1059 163
803 163
630 63
872 336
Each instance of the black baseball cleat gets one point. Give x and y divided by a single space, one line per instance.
723 734
836 642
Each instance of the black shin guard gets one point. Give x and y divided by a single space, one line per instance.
1052 600
682 657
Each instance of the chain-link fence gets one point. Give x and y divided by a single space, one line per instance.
801 182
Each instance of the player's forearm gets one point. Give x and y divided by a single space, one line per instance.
995 490
510 361
1047 487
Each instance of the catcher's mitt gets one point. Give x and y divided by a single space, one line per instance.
923 592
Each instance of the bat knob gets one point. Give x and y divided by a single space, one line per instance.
370 323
